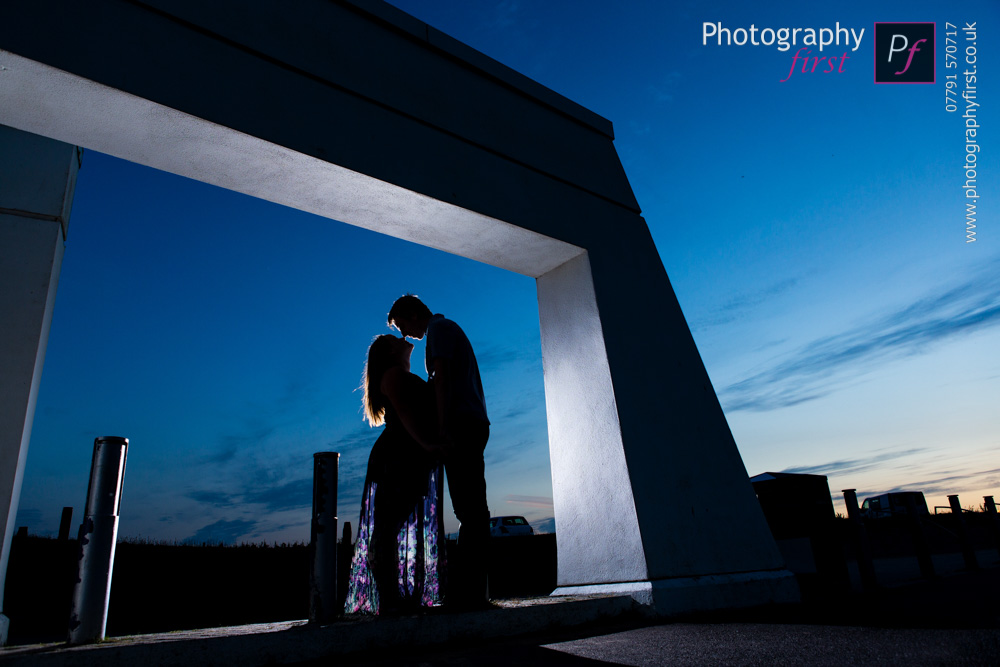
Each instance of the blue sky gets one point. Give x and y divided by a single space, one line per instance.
813 229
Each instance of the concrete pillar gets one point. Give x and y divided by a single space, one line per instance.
598 531
37 177
650 494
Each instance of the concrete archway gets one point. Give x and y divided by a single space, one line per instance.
357 112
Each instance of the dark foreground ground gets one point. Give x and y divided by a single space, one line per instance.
160 587
739 644
952 620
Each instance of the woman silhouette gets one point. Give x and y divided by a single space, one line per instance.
395 564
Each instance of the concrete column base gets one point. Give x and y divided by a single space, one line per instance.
676 595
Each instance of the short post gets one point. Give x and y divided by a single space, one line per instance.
963 534
991 511
347 538
323 539
64 523
98 533
345 552
863 551
919 538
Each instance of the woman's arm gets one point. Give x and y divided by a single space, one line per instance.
406 407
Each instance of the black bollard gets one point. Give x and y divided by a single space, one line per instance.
98 534
348 538
323 605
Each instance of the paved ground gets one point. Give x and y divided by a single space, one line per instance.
685 644
952 620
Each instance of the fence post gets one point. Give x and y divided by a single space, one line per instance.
348 537
920 545
963 534
98 533
323 539
64 523
991 510
863 551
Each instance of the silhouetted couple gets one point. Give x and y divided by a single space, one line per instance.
396 564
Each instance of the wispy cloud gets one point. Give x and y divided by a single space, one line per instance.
354 448
664 89
845 466
214 498
807 374
741 304
225 454
505 14
517 411
639 129
273 484
501 452
223 531
950 483
296 494
543 502
491 357
527 402
297 400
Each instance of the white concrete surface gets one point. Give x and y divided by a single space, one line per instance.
670 597
43 100
597 532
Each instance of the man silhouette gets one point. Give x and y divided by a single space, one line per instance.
453 373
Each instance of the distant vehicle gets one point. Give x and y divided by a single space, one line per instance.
894 504
507 526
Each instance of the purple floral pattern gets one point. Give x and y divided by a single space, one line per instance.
420 563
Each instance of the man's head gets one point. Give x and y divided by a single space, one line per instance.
410 316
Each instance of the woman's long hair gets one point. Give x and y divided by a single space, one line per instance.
378 362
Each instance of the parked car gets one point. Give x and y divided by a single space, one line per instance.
894 504
506 526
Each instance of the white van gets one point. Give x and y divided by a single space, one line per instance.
894 504
506 526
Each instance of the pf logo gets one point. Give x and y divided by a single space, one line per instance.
904 52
